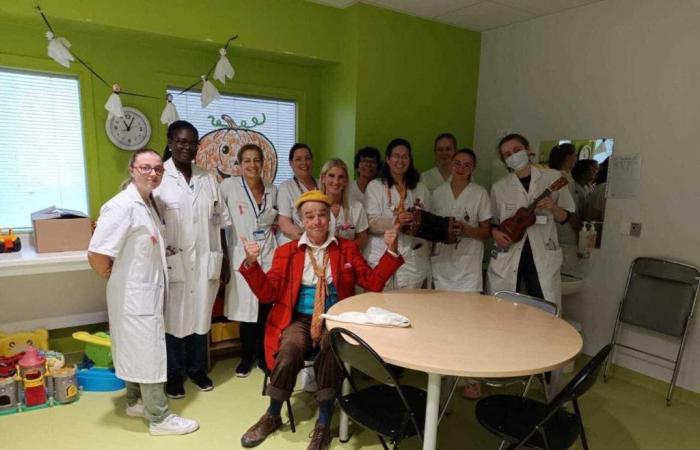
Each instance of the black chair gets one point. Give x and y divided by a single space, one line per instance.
660 296
392 410
524 422
309 360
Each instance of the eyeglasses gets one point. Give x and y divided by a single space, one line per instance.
462 164
145 170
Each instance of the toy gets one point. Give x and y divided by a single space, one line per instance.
9 395
32 370
17 343
97 371
65 384
9 242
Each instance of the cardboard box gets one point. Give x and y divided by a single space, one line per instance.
60 230
225 331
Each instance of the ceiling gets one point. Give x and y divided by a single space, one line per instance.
479 15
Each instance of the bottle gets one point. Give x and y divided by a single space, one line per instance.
592 236
583 249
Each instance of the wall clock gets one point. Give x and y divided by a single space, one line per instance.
131 132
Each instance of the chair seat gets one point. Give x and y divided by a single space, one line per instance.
512 418
379 408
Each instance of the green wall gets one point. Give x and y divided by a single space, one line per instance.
361 75
416 80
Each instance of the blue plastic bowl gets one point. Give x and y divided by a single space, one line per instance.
99 380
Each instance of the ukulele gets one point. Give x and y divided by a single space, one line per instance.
516 225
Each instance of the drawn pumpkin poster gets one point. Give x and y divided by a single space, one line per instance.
218 151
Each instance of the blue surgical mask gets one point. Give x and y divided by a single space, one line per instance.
518 160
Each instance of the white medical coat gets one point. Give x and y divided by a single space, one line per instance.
130 232
194 214
287 193
507 195
432 178
241 303
381 203
458 267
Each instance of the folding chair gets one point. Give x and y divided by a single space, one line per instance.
535 302
391 410
524 422
660 296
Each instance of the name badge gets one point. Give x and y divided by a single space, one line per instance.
542 220
259 235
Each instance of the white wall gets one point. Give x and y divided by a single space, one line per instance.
626 69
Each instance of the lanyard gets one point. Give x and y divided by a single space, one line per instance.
254 205
301 188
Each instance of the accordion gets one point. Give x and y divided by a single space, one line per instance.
432 227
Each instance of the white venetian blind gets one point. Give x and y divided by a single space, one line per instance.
42 161
280 120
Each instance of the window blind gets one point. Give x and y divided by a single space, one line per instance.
41 146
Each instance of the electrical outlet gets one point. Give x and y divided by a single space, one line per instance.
635 229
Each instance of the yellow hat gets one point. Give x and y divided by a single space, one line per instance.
312 196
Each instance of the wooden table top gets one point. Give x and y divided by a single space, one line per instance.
469 335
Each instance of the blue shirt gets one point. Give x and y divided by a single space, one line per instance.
305 302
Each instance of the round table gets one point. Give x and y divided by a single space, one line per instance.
461 334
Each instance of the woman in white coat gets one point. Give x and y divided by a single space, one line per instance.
127 248
301 161
445 146
458 267
252 206
194 214
388 199
532 265
367 162
348 216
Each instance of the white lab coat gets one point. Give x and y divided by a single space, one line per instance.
287 193
241 303
354 192
130 232
432 178
507 195
415 251
355 223
194 214
458 267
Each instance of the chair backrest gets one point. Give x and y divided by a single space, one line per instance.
517 297
351 349
660 295
579 384
582 381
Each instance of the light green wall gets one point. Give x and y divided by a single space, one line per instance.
416 79
361 75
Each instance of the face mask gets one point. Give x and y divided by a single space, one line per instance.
518 160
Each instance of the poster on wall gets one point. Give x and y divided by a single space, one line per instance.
624 176
218 148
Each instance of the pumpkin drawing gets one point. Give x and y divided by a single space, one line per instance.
218 151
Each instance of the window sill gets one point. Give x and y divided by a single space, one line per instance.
29 262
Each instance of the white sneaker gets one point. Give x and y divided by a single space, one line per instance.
136 410
173 424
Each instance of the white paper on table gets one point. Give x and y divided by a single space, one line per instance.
374 316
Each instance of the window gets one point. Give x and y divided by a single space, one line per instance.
280 119
41 147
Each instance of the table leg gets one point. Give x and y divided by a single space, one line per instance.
432 410
343 434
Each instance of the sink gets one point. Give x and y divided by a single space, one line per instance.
570 284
